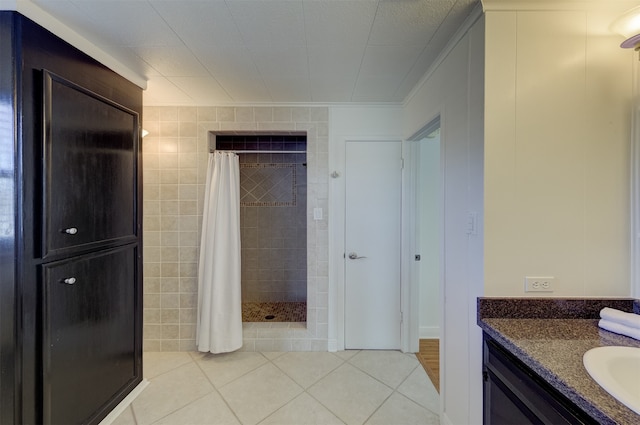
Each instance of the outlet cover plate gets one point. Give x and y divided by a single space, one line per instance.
539 284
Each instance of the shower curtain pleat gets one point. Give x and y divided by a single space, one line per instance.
219 324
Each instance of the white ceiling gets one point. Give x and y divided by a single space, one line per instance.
251 51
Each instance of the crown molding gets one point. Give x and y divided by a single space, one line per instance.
47 21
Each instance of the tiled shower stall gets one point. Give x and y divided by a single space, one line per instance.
273 224
175 154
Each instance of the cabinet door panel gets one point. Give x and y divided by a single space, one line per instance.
90 169
89 348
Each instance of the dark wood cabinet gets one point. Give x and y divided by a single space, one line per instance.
88 340
515 394
70 231
89 169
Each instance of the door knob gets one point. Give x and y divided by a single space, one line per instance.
354 256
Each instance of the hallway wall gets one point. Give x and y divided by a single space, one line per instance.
454 90
175 154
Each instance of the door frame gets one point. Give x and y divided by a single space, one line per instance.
410 281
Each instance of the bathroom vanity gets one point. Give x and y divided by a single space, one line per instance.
532 361
70 231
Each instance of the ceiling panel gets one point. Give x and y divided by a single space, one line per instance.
172 61
203 52
202 90
372 88
338 22
334 60
161 91
394 61
214 22
289 89
270 23
244 89
332 89
279 61
129 23
408 22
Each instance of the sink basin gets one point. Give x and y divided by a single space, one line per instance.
617 370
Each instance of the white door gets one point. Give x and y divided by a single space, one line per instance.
373 179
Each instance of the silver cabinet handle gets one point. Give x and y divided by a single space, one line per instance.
69 280
71 231
354 256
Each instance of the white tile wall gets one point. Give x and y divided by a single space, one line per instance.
175 154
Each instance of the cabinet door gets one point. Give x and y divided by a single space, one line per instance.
90 169
89 348
514 394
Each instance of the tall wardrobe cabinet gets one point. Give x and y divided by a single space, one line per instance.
70 231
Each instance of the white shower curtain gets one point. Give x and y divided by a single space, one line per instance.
219 324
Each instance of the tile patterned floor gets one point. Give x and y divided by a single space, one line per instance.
295 388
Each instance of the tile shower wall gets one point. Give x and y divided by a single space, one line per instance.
273 216
175 154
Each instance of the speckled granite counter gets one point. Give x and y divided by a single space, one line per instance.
551 336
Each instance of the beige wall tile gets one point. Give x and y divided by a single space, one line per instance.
244 114
188 129
169 129
263 114
174 164
168 113
226 114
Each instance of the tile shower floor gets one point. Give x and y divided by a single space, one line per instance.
274 312
295 388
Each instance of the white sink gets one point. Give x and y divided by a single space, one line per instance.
617 370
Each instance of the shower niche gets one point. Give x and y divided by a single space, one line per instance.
273 224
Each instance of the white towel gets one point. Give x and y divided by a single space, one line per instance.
619 328
628 319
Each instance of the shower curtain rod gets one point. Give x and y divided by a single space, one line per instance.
250 151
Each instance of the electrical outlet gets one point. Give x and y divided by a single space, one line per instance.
539 284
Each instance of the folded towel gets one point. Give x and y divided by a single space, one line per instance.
627 319
619 328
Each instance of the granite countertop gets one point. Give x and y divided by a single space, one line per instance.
553 347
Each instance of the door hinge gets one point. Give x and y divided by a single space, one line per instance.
401 317
402 163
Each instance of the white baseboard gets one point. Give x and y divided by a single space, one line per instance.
332 345
429 332
122 406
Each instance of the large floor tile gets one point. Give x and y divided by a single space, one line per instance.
170 392
390 367
307 368
224 368
209 410
346 354
157 363
399 410
259 393
419 388
350 394
125 418
303 410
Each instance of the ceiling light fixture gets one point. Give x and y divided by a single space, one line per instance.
628 25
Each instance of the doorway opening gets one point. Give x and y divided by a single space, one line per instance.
273 224
425 239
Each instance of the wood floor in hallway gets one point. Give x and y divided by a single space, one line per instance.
429 357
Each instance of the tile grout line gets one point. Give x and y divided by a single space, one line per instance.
224 400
